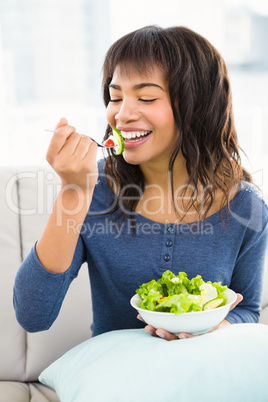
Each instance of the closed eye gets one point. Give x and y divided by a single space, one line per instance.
141 100
148 100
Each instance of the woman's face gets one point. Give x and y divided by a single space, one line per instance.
140 108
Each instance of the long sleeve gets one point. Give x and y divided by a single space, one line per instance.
38 294
248 280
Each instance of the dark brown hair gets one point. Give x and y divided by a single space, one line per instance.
201 100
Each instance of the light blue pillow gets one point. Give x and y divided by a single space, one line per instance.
230 364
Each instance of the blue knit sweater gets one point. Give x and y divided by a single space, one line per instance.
119 262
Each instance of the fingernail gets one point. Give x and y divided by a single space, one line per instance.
148 331
161 335
181 336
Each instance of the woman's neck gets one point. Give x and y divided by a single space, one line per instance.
156 174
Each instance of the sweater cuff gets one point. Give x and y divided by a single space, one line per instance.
240 315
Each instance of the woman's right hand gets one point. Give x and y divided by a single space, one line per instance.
73 157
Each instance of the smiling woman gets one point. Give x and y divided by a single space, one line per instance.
176 199
184 103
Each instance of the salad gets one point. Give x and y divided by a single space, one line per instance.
178 294
116 141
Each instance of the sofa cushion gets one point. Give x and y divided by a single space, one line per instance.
22 392
37 189
264 316
12 336
134 366
27 197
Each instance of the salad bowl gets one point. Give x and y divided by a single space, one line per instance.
195 322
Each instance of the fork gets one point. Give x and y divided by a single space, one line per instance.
84 135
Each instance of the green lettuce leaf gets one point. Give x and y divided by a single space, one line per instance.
178 294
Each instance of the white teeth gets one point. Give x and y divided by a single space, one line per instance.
133 134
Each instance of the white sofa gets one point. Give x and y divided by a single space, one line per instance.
26 195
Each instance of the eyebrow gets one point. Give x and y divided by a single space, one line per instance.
138 86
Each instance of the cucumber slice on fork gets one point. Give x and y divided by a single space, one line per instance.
119 149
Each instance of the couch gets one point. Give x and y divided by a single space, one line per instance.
26 196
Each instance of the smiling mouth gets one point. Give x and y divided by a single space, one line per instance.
134 136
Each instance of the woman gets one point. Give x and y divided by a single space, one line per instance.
178 198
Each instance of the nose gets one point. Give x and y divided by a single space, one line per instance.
127 112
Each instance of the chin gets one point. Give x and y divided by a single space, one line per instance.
131 159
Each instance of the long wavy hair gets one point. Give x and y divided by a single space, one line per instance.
201 101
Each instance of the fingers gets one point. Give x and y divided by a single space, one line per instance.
186 335
67 143
140 318
76 146
73 156
63 122
161 333
238 300
58 140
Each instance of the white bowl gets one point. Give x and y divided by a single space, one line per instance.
195 322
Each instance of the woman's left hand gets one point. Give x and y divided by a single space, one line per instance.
162 333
